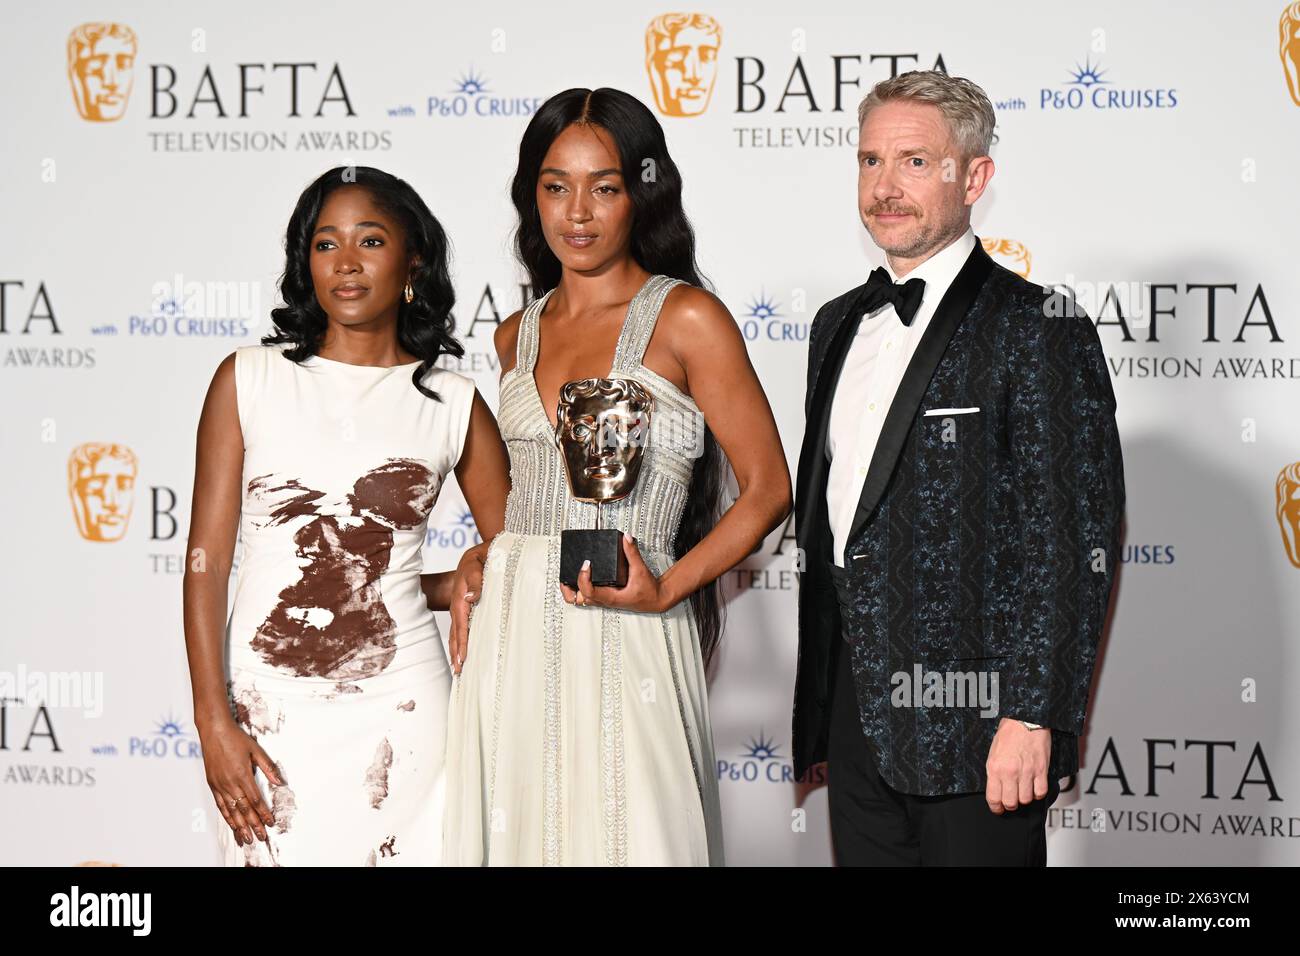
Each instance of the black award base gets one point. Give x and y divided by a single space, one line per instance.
604 548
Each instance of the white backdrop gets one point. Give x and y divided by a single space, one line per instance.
1144 153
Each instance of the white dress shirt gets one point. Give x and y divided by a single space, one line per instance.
873 369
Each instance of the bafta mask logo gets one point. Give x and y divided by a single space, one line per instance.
1288 510
101 67
1011 253
681 60
101 484
602 426
1289 28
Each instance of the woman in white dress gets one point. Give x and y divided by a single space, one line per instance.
326 447
579 725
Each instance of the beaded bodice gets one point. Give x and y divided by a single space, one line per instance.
539 500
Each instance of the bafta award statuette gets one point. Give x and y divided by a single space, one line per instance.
601 428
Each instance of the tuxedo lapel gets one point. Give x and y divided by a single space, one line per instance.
812 454
952 308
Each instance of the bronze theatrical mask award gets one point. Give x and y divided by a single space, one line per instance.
601 427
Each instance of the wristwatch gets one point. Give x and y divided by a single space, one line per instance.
1030 726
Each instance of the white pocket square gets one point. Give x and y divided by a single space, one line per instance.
949 411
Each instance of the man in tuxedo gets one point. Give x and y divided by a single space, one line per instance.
958 508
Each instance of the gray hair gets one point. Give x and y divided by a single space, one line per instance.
963 104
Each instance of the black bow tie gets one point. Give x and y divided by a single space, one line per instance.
904 296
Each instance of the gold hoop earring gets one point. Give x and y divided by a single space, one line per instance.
409 293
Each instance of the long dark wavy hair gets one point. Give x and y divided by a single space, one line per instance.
663 243
424 325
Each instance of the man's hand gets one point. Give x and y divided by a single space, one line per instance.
1017 765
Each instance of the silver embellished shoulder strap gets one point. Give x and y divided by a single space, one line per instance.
526 343
643 312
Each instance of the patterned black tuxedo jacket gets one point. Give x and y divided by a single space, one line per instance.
984 542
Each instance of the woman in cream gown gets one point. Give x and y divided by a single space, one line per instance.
578 728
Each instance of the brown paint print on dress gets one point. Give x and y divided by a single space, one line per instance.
332 622
283 804
258 853
376 782
252 712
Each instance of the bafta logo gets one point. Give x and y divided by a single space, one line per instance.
602 426
681 60
101 484
101 66
1288 510
1289 27
1013 254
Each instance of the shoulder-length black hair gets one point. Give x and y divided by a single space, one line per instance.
424 325
663 243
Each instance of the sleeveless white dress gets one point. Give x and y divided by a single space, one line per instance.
336 663
580 735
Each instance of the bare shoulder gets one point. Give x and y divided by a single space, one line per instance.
696 316
221 403
223 379
505 338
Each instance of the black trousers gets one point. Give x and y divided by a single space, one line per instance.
872 824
